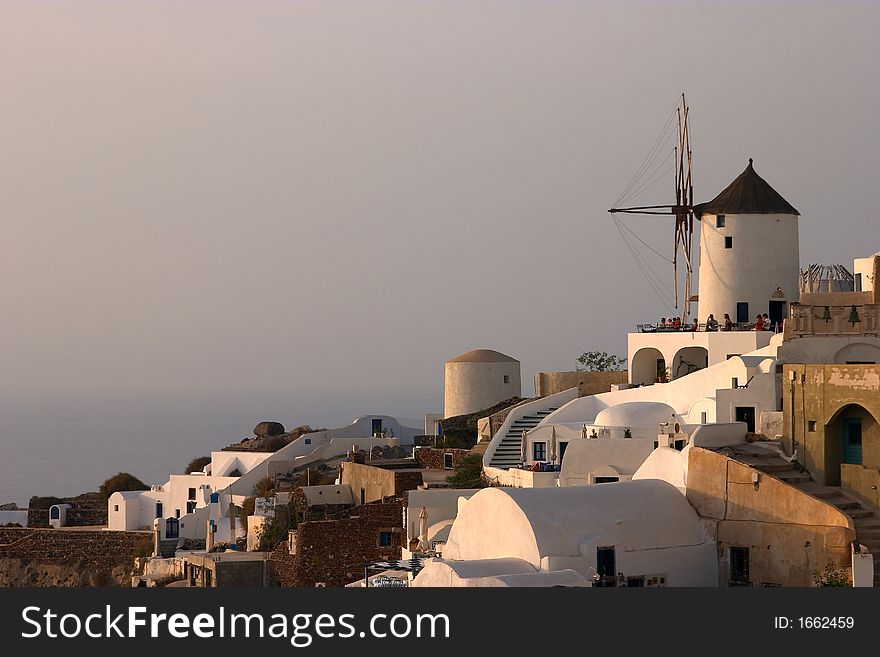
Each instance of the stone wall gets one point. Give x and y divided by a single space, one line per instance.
316 511
432 459
587 383
789 534
408 480
333 552
77 516
57 557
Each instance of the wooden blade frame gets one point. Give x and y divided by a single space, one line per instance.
682 210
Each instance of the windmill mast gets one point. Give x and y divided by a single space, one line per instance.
682 209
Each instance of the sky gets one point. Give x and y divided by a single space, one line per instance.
220 212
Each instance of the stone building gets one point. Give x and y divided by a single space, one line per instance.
479 379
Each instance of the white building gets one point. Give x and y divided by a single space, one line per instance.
479 379
232 475
645 530
655 357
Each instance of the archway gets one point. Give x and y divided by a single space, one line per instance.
858 352
648 366
852 437
689 359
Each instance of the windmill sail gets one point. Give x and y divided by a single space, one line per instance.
682 209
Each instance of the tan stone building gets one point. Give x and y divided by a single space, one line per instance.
830 418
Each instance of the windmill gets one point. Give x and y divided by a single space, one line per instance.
682 209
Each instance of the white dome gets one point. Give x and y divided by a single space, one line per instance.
636 414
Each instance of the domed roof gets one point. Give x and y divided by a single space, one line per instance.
636 414
483 356
748 194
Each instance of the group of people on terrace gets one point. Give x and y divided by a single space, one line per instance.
761 323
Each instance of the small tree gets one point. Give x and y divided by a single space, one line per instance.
121 482
276 528
197 464
599 361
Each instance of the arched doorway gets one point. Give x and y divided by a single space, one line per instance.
689 359
851 438
648 366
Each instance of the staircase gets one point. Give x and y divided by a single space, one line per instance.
865 518
508 453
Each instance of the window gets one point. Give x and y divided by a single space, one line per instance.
539 451
447 461
734 382
190 507
176 513
857 283
308 441
811 425
742 312
116 507
739 566
703 417
605 480
728 242
191 494
720 220
158 509
506 379
386 539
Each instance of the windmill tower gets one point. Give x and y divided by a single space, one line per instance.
749 254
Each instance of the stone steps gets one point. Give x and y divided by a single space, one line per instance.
770 465
509 450
793 477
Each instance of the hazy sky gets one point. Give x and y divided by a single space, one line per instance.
220 212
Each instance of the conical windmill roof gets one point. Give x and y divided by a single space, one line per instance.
748 194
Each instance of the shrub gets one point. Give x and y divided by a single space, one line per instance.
247 507
265 487
468 473
121 482
197 464
830 576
